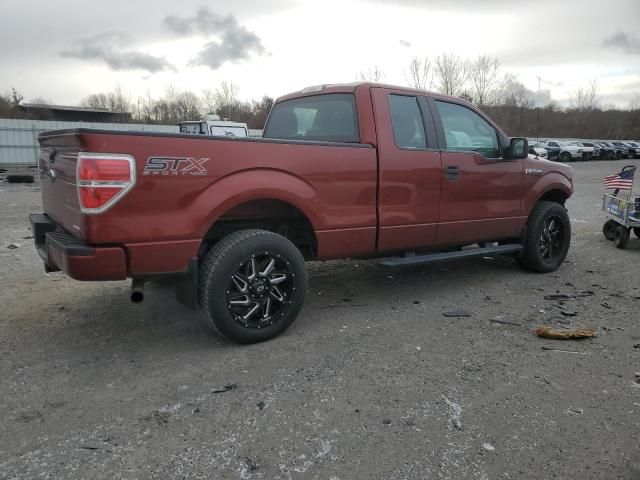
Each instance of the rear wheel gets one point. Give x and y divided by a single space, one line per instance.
565 156
609 229
547 238
621 237
252 285
636 230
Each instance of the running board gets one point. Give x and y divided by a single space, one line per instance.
446 256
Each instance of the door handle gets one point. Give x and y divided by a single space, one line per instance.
451 172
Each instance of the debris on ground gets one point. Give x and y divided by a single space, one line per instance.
260 405
637 380
547 332
569 296
13 246
227 388
455 412
574 411
488 447
457 313
504 322
549 349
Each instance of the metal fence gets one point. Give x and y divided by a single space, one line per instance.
19 138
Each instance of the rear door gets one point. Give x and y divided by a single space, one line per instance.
409 170
481 192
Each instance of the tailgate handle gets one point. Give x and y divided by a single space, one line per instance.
451 172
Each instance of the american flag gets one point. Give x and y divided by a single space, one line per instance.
621 181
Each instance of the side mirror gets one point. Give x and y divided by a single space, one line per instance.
518 149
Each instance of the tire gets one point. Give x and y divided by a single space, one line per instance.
636 230
609 229
621 237
238 299
565 157
547 238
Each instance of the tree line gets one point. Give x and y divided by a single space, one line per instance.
502 95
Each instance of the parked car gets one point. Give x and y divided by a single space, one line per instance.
534 149
355 170
597 149
622 148
566 150
609 151
587 152
634 149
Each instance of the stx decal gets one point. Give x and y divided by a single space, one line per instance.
177 166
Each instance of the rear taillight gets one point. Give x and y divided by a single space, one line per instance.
103 179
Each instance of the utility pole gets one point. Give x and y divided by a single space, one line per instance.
538 102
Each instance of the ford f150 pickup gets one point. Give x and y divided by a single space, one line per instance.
357 170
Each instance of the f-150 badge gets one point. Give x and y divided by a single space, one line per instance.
533 171
175 166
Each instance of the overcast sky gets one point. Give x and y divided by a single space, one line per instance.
64 50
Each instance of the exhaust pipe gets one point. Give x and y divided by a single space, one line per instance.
137 290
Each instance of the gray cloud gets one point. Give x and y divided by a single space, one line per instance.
405 43
234 42
628 42
108 48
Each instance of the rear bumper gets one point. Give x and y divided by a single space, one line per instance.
62 251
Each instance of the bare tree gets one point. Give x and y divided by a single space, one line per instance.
452 73
226 98
484 77
116 101
585 98
16 97
208 101
419 73
372 74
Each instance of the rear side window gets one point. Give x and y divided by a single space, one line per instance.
465 130
408 129
327 118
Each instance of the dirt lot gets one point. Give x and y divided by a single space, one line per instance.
372 381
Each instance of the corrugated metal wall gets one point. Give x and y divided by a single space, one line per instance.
19 138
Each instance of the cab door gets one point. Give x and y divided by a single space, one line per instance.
481 196
409 167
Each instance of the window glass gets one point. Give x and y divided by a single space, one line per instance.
328 118
465 130
408 129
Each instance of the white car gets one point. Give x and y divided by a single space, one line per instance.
568 152
587 152
536 150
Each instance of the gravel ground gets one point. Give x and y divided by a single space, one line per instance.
372 381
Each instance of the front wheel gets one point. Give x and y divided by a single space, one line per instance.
621 237
609 229
547 238
636 230
252 285
565 157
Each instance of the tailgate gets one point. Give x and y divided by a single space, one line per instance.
57 171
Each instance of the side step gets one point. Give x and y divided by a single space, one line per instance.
446 256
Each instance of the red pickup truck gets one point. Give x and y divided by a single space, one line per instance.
355 170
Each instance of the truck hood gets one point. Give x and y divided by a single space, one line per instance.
548 166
